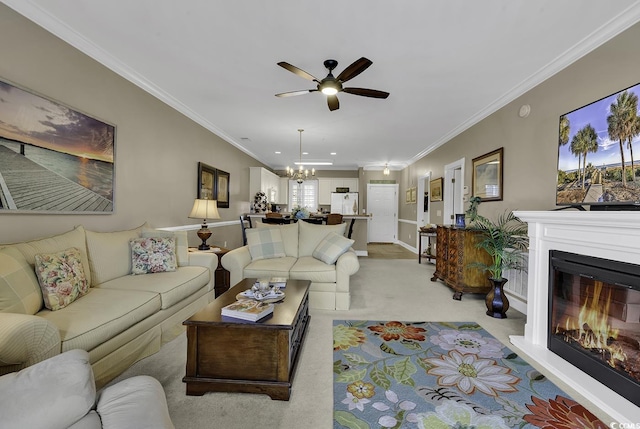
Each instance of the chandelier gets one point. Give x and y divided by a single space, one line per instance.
300 175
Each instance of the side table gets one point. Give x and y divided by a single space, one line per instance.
222 277
428 253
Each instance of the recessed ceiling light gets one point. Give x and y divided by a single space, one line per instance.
305 153
313 163
333 153
278 152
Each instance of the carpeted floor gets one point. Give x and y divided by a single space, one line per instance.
389 251
395 289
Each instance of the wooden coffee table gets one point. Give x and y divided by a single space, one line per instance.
248 357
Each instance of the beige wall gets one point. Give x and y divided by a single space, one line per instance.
157 148
530 144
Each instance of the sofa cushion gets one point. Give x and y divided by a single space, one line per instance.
269 267
331 247
153 255
265 243
74 238
109 254
61 277
182 243
289 236
311 235
19 289
54 393
173 286
310 268
100 315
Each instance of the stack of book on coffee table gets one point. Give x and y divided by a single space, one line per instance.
247 309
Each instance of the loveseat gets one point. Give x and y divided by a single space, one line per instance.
60 392
301 251
118 318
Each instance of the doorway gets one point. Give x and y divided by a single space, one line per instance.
382 204
453 191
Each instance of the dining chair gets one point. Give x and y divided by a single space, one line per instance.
334 219
244 221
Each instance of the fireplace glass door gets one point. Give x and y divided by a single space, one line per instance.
594 318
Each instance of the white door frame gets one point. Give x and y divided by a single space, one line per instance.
423 185
448 193
396 205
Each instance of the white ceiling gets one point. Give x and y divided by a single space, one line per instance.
447 64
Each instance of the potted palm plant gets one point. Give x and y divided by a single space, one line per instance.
505 240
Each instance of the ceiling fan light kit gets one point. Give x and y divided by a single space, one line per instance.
330 85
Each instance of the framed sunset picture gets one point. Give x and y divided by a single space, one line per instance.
53 159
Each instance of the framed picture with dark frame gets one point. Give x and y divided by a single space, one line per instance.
486 180
435 189
206 181
221 193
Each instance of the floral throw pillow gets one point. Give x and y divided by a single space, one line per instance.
153 255
61 277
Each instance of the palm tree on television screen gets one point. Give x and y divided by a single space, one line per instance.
623 124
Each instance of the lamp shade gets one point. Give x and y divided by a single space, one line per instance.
205 209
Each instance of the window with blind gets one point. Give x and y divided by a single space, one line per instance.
303 194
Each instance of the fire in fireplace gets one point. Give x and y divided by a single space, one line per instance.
594 318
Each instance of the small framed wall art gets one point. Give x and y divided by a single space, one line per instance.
486 179
206 181
222 189
435 189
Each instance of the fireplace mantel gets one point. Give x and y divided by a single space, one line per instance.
606 234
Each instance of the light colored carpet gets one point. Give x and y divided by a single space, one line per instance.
389 251
382 290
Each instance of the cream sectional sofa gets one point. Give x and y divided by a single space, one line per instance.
329 282
121 319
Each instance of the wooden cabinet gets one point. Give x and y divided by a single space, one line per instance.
456 250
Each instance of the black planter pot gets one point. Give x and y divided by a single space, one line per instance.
496 300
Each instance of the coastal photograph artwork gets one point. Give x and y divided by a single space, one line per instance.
53 159
596 161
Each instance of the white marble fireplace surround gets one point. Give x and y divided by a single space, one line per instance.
612 235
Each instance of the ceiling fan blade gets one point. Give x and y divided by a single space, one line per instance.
366 92
292 93
299 72
354 69
333 102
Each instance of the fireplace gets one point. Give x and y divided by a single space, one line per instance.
594 318
611 236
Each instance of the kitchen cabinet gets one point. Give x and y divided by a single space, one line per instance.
328 185
283 194
261 179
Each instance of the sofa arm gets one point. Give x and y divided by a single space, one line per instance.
206 260
25 340
346 265
235 261
138 402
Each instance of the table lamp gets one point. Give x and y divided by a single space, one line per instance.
204 209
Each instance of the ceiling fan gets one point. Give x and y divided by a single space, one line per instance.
330 85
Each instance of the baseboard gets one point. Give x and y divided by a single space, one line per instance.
406 246
362 253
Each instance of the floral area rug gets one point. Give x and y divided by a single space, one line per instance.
441 375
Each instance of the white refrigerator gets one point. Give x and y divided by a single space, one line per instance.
345 203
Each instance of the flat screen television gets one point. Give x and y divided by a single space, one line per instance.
597 165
